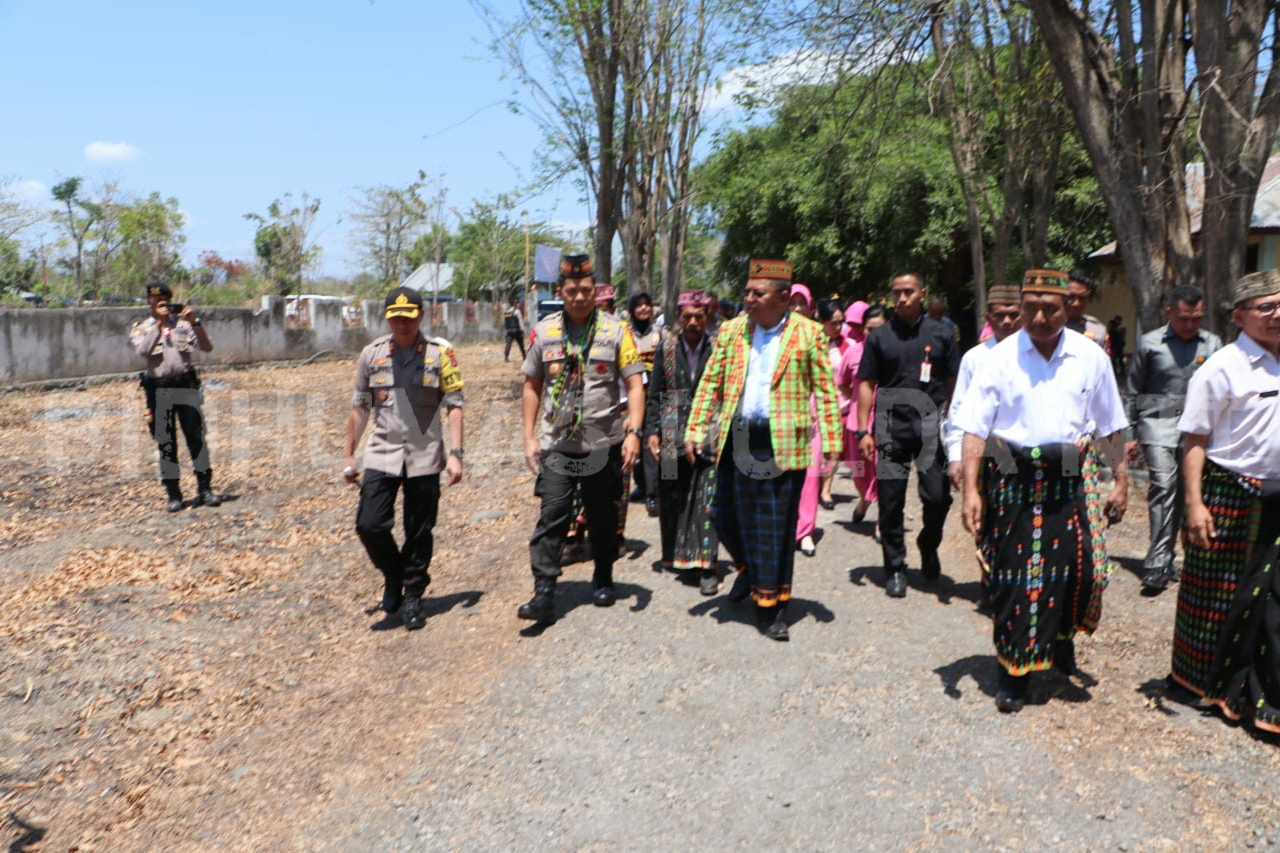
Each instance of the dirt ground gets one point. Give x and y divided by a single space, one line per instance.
215 678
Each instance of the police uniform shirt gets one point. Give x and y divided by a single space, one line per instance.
166 348
1159 371
1234 398
647 346
405 390
1091 327
893 356
1027 400
613 357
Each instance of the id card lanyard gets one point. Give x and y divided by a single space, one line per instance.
926 366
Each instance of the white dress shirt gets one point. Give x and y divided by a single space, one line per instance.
1027 400
970 366
765 345
1234 398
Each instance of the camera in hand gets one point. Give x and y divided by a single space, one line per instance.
176 308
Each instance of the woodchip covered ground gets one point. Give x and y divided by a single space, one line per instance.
212 680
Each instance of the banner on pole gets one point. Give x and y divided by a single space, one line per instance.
546 264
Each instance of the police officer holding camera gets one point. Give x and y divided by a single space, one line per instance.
166 340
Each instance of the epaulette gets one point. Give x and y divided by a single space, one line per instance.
443 343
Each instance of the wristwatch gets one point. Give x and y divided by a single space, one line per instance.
456 452
859 433
638 433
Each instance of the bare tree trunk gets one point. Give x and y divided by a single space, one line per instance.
1130 113
1236 133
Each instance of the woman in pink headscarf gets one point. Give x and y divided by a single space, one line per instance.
810 494
860 318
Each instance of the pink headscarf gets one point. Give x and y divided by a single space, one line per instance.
855 312
803 292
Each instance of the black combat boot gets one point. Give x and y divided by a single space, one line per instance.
603 594
542 607
175 494
204 481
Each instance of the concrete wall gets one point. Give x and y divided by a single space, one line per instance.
64 343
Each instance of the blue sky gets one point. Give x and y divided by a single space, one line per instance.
228 105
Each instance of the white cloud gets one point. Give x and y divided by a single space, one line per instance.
30 191
111 152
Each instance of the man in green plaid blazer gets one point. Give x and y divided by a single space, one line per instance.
757 390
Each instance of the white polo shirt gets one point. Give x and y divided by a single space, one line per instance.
970 365
1027 400
1234 398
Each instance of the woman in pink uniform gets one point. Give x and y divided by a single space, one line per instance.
860 318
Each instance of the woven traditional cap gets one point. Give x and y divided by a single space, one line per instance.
1003 294
1256 284
775 270
403 302
691 299
1045 281
604 293
575 266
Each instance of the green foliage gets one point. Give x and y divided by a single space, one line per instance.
283 243
847 200
16 272
488 251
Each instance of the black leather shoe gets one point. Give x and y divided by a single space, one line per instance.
930 565
826 504
777 629
542 607
1157 580
1064 656
896 585
1011 698
414 615
651 507
604 596
392 596
574 551
175 505
210 499
860 512
710 584
741 587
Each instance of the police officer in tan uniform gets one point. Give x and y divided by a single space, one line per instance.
404 380
1081 293
166 340
571 396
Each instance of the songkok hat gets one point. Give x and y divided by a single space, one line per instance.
1003 294
1045 281
575 266
403 302
691 299
604 292
855 312
802 291
159 288
1256 284
776 270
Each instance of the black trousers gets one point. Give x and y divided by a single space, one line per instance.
892 468
647 474
519 339
376 516
174 403
600 476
